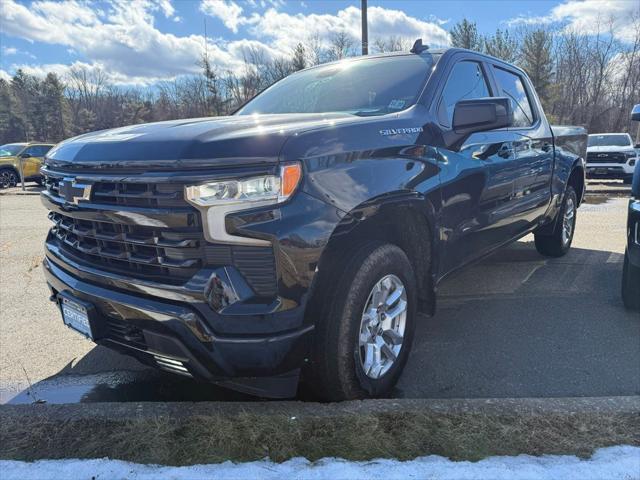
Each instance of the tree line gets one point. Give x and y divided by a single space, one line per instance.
582 79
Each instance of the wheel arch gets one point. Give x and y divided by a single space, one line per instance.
404 220
577 180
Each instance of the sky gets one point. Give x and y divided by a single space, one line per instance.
141 42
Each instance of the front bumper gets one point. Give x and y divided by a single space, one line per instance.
163 333
619 171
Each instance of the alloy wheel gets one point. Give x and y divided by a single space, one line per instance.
382 326
568 221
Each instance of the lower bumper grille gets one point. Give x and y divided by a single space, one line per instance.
171 365
125 333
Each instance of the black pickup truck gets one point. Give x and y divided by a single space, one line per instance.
631 266
303 234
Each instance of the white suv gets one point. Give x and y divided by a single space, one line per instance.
611 155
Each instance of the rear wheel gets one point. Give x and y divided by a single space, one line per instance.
364 335
558 243
8 178
630 284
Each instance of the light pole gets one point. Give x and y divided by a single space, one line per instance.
365 33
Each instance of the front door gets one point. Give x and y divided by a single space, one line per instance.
478 181
32 163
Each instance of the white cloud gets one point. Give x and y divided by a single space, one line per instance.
590 17
284 31
121 38
226 10
4 75
9 50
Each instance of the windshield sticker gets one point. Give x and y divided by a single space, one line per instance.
396 104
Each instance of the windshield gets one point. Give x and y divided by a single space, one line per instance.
363 87
609 140
10 149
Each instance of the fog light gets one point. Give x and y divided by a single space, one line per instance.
632 162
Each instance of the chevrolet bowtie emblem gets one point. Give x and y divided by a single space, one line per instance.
73 192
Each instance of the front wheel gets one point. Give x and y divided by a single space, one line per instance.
364 335
8 178
630 284
558 243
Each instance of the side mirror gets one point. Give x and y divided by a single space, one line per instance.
25 155
635 113
481 115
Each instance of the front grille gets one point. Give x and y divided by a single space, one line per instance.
170 255
151 195
611 157
148 251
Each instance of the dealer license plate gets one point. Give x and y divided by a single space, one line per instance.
75 316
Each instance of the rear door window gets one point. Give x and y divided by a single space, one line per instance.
38 150
513 87
466 81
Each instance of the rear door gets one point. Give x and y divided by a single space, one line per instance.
531 142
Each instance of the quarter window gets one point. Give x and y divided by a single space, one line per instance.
466 81
513 87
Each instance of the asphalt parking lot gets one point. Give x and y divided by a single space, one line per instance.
515 325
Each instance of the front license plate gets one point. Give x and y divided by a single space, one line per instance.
602 171
75 316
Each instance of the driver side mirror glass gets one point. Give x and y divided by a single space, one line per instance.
25 155
635 113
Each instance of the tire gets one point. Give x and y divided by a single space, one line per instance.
339 354
8 178
559 242
630 284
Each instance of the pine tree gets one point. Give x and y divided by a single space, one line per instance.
299 60
11 126
502 46
536 61
464 34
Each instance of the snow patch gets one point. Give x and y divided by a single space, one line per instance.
622 462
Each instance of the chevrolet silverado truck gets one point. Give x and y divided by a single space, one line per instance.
631 265
612 156
30 155
301 236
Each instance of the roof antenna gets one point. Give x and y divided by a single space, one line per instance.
418 47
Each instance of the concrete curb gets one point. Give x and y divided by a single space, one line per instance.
188 433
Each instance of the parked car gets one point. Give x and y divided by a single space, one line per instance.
31 154
304 233
611 155
631 267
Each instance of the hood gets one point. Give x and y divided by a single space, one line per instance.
610 148
233 140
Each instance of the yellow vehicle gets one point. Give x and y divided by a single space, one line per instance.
30 154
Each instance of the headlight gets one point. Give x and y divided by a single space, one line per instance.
263 189
216 200
631 154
